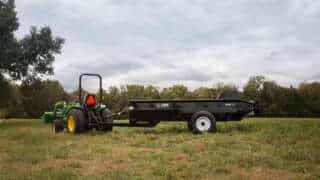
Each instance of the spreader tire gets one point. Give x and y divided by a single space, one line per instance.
203 121
106 115
189 125
76 121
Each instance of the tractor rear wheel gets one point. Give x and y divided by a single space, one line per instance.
106 115
76 121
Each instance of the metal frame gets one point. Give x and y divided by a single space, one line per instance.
100 85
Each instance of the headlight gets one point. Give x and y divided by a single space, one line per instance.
131 108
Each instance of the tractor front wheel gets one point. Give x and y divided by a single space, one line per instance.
76 121
58 126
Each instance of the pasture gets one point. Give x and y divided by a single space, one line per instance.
251 149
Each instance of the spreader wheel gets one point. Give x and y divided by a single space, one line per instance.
76 121
203 121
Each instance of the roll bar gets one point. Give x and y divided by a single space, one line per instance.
80 85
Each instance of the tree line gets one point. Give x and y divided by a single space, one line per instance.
34 96
29 60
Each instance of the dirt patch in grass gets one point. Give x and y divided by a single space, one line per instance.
2 155
200 147
54 163
127 150
181 156
85 167
107 166
265 173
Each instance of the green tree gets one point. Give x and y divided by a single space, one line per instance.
176 92
310 93
15 108
10 104
39 96
225 91
9 46
134 91
203 93
112 98
253 88
33 55
270 98
4 92
275 99
151 92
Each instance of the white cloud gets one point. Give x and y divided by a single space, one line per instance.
196 43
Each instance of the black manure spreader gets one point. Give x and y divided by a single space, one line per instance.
88 112
200 115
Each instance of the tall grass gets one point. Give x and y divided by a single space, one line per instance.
250 149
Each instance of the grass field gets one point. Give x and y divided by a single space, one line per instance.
250 149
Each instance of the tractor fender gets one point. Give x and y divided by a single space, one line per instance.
69 108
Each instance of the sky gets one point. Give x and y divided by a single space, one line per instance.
190 42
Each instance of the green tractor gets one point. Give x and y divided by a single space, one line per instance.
86 113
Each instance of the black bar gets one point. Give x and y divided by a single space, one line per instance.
80 84
147 124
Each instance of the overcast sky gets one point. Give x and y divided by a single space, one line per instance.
190 42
